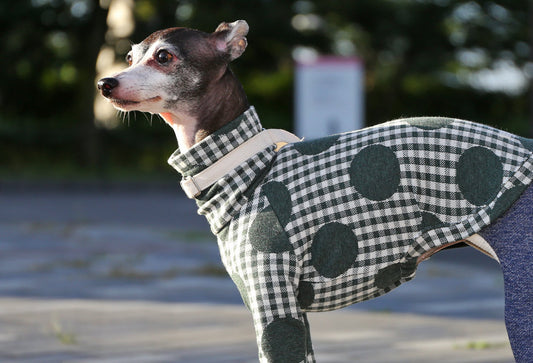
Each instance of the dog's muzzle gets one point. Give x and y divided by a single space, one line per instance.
106 85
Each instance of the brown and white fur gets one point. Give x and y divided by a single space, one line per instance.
183 75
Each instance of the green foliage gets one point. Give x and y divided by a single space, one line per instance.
422 57
64 337
481 345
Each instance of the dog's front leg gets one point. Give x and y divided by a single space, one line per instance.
271 295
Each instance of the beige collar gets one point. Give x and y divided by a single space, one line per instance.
194 185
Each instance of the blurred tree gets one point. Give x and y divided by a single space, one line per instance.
49 50
460 58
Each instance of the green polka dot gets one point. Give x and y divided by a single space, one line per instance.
314 147
429 221
388 276
409 268
429 123
479 175
242 289
527 143
306 294
375 172
506 200
279 199
334 249
391 276
266 234
284 340
308 342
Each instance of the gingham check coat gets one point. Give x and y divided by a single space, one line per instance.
326 223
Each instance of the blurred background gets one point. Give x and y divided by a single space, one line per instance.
456 58
103 259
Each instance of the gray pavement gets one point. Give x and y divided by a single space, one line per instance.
132 274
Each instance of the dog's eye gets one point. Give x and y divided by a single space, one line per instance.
163 56
129 58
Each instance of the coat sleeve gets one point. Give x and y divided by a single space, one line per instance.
282 329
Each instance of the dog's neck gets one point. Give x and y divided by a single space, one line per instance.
223 101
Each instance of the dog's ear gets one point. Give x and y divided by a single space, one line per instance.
230 38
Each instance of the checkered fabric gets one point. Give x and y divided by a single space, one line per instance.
326 223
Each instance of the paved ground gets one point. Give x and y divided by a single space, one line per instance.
132 275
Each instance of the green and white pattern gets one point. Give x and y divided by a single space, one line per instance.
326 223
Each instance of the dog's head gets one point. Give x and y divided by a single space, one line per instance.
172 68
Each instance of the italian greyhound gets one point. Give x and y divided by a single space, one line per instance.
321 224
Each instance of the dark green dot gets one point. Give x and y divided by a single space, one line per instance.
388 276
528 143
409 268
279 199
284 341
242 289
266 233
308 342
306 294
375 172
314 147
334 249
429 221
479 175
391 275
506 200
429 123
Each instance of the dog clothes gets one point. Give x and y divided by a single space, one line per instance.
326 223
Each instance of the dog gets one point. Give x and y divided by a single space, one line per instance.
321 224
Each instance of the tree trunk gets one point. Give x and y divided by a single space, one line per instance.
89 134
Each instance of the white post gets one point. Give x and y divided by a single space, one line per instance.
329 95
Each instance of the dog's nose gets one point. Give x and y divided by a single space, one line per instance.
106 85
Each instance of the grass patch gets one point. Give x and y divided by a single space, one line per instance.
191 236
76 264
66 338
128 273
481 345
211 270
